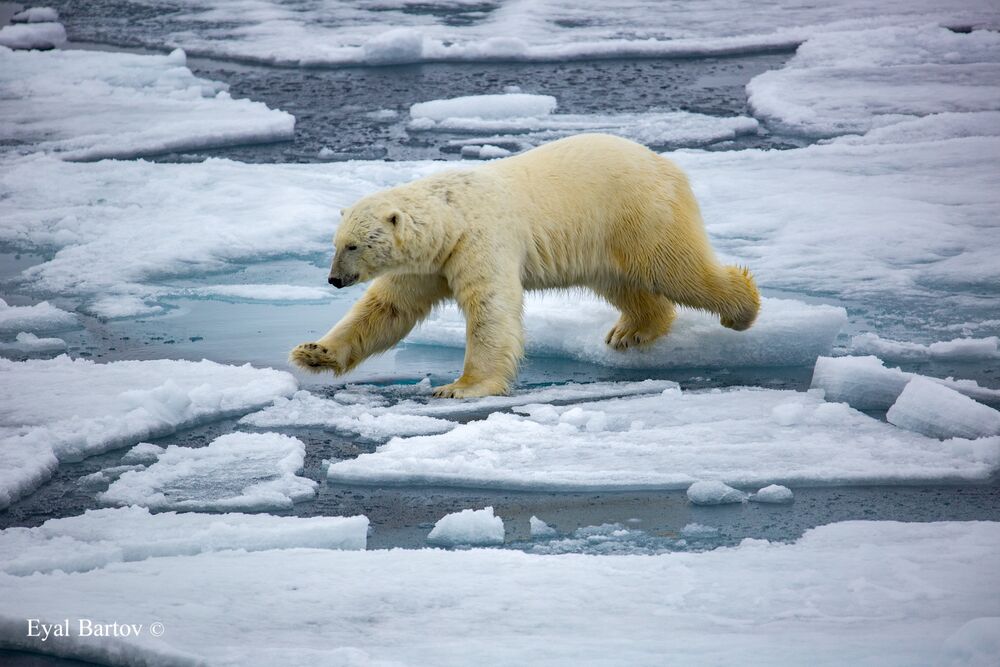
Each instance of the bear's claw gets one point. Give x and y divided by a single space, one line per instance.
459 389
622 337
315 358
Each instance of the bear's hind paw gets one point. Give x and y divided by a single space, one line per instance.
459 389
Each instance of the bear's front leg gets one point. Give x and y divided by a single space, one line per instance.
390 308
494 335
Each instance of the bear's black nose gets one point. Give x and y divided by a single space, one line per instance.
336 282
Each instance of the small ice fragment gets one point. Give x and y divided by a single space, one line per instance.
699 530
714 493
540 529
773 494
144 452
473 527
937 411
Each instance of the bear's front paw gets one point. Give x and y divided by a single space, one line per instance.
460 389
624 336
316 358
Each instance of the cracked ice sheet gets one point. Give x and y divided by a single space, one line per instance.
63 409
573 324
97 538
743 437
407 31
88 105
923 588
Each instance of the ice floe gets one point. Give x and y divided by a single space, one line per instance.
62 409
468 527
573 324
540 529
29 343
799 602
98 538
959 349
35 15
236 471
714 493
40 36
88 105
670 441
265 292
773 494
39 317
938 411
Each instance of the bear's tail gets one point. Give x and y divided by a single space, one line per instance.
742 298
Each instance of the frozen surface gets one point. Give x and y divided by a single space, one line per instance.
714 493
802 602
959 349
573 324
277 293
236 471
62 409
98 538
774 494
28 36
742 437
29 343
940 412
88 105
39 317
468 527
485 107
975 644
401 31
35 15
866 384
852 82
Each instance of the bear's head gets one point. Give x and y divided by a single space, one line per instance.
368 242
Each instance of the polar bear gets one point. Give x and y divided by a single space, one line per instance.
591 210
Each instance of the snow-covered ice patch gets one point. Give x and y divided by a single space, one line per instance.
143 453
940 412
88 105
35 15
670 441
786 333
39 317
468 527
698 530
714 493
263 292
236 471
97 538
958 349
975 644
29 343
40 36
773 494
63 410
485 107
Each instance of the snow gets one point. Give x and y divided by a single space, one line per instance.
958 349
64 410
238 471
36 15
144 453
975 644
539 529
714 493
773 494
573 324
485 107
940 412
670 441
88 105
468 527
866 384
852 82
886 593
97 538
29 36
39 317
31 344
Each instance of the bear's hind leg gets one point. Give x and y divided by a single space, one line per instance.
728 291
644 317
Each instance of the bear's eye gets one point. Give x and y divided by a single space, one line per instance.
352 247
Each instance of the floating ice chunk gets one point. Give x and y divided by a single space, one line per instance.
31 344
774 493
63 410
264 292
866 384
940 412
484 152
35 15
540 529
88 105
144 452
114 307
99 537
669 441
468 527
697 530
397 46
959 349
975 644
787 333
236 471
714 493
39 317
485 107
40 36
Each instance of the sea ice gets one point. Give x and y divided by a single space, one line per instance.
97 538
63 410
959 349
975 644
144 453
697 530
88 105
468 527
39 317
485 107
573 324
41 36
773 494
844 593
236 471
29 343
273 293
940 412
714 493
866 384
539 529
35 15
670 441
